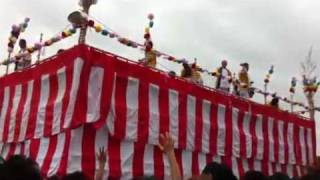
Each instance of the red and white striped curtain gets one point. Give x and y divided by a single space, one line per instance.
61 111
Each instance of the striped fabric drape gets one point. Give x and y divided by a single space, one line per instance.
60 111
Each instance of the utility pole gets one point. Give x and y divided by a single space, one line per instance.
85 4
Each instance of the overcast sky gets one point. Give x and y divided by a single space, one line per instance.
261 33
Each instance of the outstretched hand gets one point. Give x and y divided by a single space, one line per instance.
166 143
102 156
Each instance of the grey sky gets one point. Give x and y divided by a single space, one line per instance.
262 33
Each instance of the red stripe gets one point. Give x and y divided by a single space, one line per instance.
195 163
143 112
265 167
64 158
114 159
33 108
66 97
158 163
137 164
12 148
182 120
1 97
8 114
243 144
19 114
240 167
228 130
226 160
88 152
53 80
198 126
34 148
266 142
50 153
22 148
164 110
213 129
120 107
253 121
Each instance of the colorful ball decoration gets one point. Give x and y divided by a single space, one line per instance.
98 28
15 32
104 32
91 23
270 72
150 16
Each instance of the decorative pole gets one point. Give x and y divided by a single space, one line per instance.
86 4
266 82
39 52
292 92
310 85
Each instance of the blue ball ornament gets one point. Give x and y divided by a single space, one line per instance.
151 23
104 32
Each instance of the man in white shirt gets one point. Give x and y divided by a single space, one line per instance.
25 59
224 77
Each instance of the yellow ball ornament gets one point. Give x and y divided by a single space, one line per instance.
98 28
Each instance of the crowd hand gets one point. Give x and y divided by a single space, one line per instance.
102 156
166 143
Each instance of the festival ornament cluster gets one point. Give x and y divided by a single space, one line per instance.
268 76
310 85
16 30
292 89
37 46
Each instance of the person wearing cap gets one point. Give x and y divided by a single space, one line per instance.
224 77
25 59
244 81
190 73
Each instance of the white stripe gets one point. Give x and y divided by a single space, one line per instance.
310 146
245 165
4 110
78 64
281 142
290 140
94 93
26 112
290 170
75 150
57 109
110 119
191 121
278 167
202 159
17 151
303 146
174 115
5 150
148 162
186 163
15 104
126 155
235 133
257 165
206 108
41 113
132 97
27 148
153 114
57 156
246 130
299 170
259 135
221 130
235 166
216 159
43 149
271 139
270 169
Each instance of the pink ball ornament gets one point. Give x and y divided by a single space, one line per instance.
15 28
150 16
38 46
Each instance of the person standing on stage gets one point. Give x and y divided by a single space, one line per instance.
224 77
25 59
244 81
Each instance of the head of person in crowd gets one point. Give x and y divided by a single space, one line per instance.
19 167
245 67
224 63
254 175
23 44
75 176
279 176
187 71
215 171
